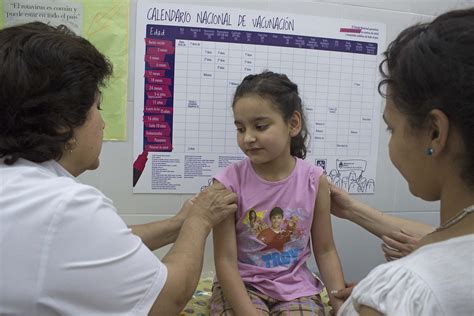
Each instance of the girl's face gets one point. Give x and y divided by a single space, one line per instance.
262 133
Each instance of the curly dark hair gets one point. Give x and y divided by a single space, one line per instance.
49 79
284 95
431 66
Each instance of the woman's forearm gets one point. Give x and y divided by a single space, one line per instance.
380 223
159 233
184 264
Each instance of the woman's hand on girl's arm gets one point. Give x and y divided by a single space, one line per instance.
211 206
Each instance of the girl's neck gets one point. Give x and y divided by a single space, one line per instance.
277 169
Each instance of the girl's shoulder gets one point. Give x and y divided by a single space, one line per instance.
236 165
232 174
305 164
307 168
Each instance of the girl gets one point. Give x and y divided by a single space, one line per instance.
264 272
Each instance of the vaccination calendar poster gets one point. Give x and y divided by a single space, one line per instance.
189 61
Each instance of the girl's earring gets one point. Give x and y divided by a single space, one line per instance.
429 151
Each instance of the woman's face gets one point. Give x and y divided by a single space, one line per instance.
407 151
88 142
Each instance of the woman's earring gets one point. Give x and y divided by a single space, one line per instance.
71 145
429 151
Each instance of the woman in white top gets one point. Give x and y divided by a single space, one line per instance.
63 248
429 75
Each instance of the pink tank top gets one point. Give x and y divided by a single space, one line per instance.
273 228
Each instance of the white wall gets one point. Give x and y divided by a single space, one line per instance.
359 251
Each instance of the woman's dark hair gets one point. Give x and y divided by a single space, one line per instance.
431 66
49 79
284 95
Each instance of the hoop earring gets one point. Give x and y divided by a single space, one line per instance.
429 151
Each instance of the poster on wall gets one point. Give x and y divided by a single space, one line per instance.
189 60
105 24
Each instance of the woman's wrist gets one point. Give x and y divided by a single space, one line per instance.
177 220
352 211
361 211
198 221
